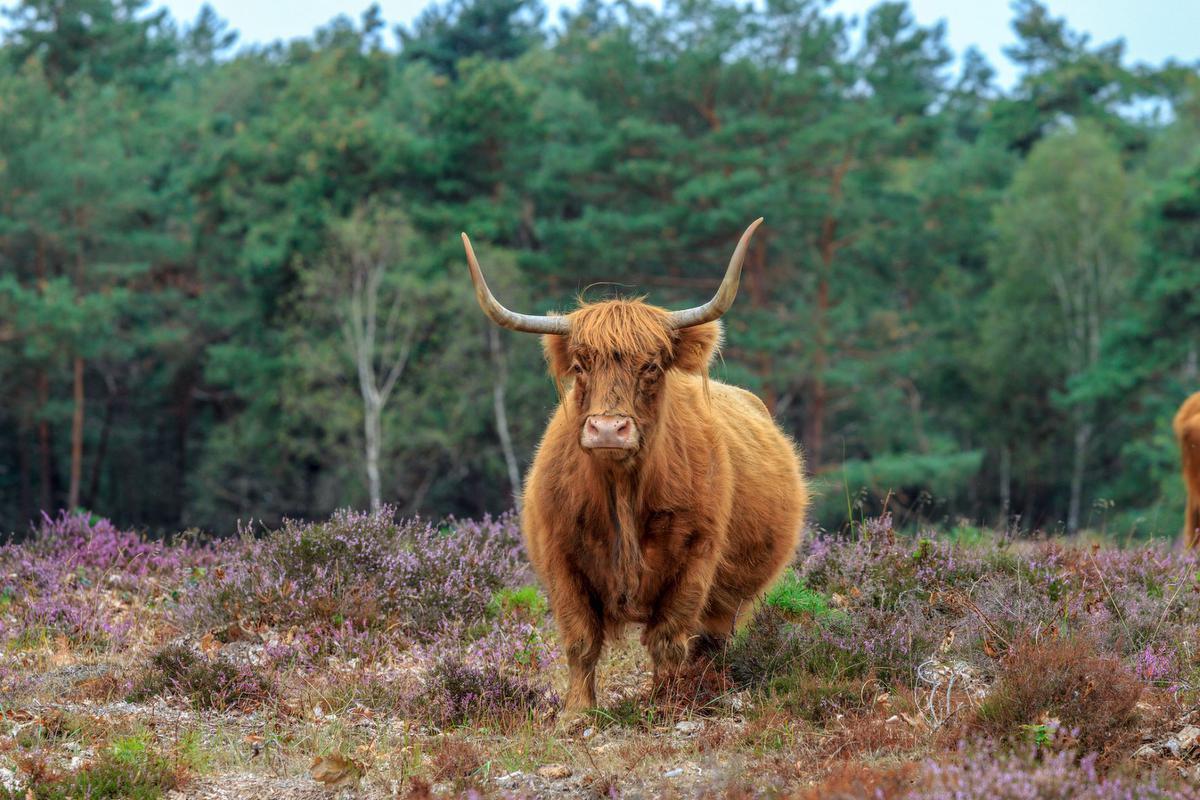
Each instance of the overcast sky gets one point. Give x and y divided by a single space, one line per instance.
1154 30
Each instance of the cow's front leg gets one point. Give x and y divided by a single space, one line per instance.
581 633
582 655
676 618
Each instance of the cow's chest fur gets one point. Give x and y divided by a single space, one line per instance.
632 555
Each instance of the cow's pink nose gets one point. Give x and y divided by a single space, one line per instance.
606 431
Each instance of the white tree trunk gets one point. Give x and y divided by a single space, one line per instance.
378 321
372 413
361 328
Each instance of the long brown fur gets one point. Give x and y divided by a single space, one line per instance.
1187 431
683 535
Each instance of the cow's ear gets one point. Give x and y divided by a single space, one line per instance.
555 347
696 346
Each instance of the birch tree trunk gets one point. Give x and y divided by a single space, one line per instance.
366 249
362 329
372 414
1067 222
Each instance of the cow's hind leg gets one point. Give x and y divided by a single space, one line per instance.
716 626
672 633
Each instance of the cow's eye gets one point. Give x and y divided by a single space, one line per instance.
651 371
577 368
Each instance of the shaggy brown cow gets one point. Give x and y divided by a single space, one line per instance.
1187 430
657 496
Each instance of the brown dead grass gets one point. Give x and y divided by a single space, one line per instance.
695 688
456 761
1092 696
853 781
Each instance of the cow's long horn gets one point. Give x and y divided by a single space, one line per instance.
501 315
723 299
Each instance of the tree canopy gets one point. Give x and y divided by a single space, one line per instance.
968 302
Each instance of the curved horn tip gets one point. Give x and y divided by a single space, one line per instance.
527 323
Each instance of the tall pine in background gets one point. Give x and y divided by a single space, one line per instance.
969 301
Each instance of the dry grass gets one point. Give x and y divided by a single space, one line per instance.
1062 689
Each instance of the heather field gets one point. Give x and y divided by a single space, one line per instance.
365 657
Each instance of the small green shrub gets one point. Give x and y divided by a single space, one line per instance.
630 712
131 751
129 768
792 596
525 602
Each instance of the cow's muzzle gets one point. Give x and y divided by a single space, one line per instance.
604 432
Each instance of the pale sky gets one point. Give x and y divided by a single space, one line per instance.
1154 30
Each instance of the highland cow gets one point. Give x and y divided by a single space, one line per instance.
1187 431
658 496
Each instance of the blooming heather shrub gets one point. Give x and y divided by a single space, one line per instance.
1154 664
460 693
93 546
880 568
868 609
52 584
501 675
1017 776
907 600
362 572
514 646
